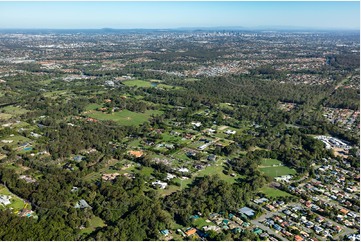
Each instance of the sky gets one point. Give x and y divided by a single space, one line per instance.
94 15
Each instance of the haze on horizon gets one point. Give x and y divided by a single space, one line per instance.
92 15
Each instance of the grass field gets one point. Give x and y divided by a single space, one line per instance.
125 117
273 193
270 162
277 171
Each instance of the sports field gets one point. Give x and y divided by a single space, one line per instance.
274 168
277 171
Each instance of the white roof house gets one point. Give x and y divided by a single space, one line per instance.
161 184
5 200
197 124
228 131
170 176
183 170
82 204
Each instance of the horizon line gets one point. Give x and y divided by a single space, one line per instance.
189 28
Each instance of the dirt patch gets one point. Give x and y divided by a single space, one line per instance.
340 152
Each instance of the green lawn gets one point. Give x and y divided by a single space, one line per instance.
147 171
94 223
170 138
97 175
22 124
93 176
225 106
45 82
125 117
16 139
184 183
273 193
16 202
5 116
138 97
92 107
53 94
165 86
13 110
216 169
152 83
191 79
169 190
270 162
277 171
137 83
15 167
134 143
200 222
181 155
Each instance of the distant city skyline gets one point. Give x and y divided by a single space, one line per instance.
158 15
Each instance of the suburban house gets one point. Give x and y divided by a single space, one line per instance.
228 131
136 153
82 204
170 176
5 200
165 232
160 184
25 213
110 177
197 124
28 179
247 211
74 189
183 170
212 157
191 231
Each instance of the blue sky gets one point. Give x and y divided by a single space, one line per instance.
341 15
